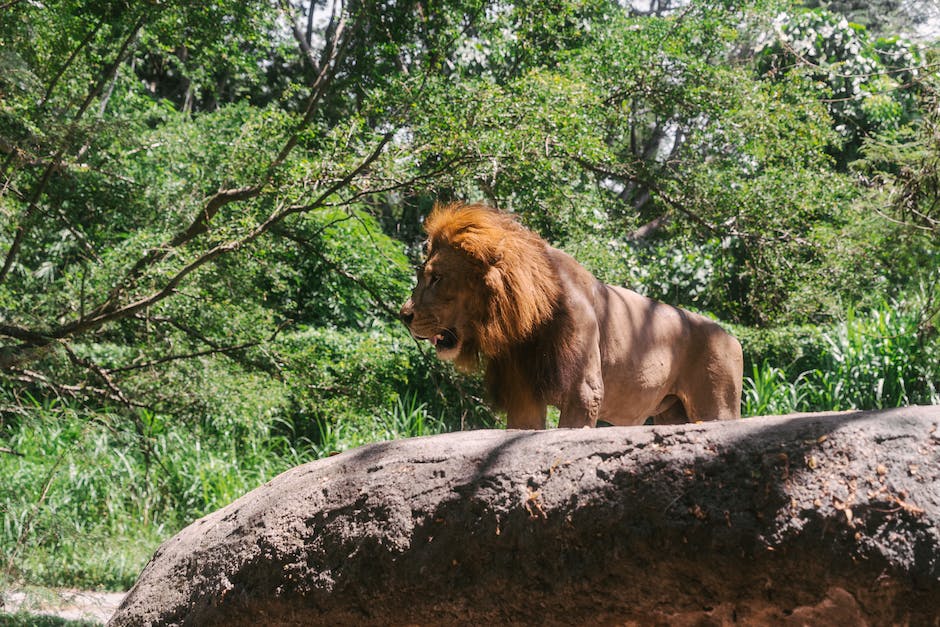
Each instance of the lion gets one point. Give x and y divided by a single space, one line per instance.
493 292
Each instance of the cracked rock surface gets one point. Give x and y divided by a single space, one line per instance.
808 519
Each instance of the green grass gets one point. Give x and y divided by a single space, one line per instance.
87 499
89 493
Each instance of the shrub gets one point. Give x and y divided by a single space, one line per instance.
886 357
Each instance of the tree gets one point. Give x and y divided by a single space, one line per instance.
184 185
131 217
871 84
905 17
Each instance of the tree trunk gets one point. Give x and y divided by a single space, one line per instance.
810 519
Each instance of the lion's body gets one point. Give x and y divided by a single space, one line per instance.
550 333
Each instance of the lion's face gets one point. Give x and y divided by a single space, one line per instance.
445 302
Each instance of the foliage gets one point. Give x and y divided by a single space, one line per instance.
208 214
24 618
887 16
883 358
767 392
903 170
88 496
338 378
869 82
793 349
86 502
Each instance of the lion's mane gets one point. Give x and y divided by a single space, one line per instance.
520 284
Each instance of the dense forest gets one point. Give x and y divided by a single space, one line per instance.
210 213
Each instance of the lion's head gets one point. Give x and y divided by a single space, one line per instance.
486 284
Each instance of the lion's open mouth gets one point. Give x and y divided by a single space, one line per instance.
445 340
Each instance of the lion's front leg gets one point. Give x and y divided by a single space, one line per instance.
512 390
526 415
582 405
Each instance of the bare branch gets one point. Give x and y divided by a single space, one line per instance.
61 390
304 41
173 322
23 334
649 182
332 52
309 33
447 166
215 350
98 370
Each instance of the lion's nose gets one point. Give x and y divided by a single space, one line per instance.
407 313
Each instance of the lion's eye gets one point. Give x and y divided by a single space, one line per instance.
435 279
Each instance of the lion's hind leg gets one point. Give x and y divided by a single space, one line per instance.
713 391
717 397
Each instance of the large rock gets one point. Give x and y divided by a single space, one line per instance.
814 519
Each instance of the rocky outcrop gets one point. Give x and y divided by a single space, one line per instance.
812 519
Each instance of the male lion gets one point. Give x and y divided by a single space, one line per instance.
550 333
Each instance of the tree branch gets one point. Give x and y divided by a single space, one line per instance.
221 198
112 309
116 392
215 350
198 226
338 185
304 41
65 66
31 377
102 316
332 52
651 184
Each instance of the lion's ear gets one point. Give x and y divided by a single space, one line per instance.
485 250
495 281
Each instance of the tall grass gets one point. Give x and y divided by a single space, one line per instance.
410 417
768 392
883 358
87 498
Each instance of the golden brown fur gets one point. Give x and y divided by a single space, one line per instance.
548 332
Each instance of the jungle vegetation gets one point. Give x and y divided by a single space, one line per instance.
210 213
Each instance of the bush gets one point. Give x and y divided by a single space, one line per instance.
343 383
792 349
887 357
